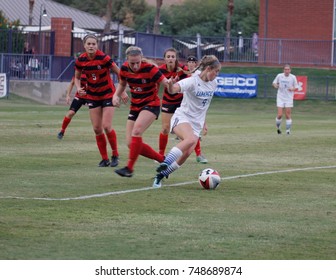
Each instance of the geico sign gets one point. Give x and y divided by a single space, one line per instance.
237 81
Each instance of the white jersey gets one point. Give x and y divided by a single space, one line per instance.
284 95
197 72
197 95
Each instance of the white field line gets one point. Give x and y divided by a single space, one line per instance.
171 185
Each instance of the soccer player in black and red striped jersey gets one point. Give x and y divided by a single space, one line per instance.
171 68
99 92
76 104
143 79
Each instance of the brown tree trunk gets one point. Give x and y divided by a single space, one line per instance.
228 27
108 16
156 29
30 15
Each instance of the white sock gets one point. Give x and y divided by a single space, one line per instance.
174 154
288 124
171 168
278 122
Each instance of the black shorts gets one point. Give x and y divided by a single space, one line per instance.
77 103
169 108
133 115
100 103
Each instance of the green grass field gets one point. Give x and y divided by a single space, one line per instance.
276 200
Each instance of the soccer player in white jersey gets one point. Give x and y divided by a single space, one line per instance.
287 84
192 65
188 120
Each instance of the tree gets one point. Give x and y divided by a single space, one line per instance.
31 8
122 11
228 26
126 11
197 16
156 29
6 38
209 18
246 17
108 17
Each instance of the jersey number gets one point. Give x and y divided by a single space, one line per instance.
205 102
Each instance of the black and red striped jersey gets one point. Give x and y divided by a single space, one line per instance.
179 72
97 71
143 84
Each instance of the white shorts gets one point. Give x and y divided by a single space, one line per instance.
180 118
285 103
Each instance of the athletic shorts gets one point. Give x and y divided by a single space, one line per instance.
77 103
179 118
285 103
100 103
169 108
133 115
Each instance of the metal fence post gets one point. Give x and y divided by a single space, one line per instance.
327 88
1 62
199 54
280 51
10 41
265 85
52 42
120 44
332 53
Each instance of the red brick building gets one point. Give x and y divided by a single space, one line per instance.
297 19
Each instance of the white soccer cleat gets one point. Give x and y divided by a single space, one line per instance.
157 180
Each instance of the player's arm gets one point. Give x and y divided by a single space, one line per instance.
275 83
120 93
172 86
123 95
81 90
115 69
295 85
69 90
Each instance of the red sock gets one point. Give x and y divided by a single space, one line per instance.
163 141
65 123
112 138
198 148
101 143
134 152
149 152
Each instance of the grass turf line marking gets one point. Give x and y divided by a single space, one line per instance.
171 185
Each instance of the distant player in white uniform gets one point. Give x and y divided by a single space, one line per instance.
188 120
287 84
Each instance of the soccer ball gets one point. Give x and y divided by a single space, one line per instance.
209 179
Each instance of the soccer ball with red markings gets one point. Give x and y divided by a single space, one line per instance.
209 179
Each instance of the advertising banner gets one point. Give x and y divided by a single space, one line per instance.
237 85
301 93
3 85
